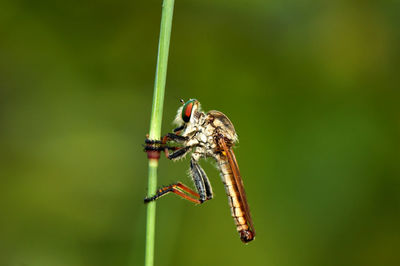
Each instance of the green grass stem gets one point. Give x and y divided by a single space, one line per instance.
156 119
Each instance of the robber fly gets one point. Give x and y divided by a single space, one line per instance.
207 135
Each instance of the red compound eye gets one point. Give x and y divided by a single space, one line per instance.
187 110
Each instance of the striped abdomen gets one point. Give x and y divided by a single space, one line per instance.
235 201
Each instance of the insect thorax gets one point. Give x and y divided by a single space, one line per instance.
203 131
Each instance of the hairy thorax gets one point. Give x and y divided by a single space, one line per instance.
203 131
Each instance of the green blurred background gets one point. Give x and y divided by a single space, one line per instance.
312 88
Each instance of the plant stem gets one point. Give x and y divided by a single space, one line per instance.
155 122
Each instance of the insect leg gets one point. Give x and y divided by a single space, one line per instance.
202 186
163 141
179 128
152 141
179 153
161 145
206 182
179 190
174 137
156 145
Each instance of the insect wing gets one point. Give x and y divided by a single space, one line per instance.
238 180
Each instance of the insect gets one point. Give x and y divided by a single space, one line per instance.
213 135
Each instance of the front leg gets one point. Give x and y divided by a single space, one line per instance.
157 145
179 128
174 137
161 145
163 141
178 153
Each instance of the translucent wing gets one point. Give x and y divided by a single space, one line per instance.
238 180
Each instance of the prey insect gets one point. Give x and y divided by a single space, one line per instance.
213 135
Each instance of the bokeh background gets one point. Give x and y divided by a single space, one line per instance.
312 88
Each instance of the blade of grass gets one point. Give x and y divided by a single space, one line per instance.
156 119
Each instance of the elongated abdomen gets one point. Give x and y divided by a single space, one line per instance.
235 202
